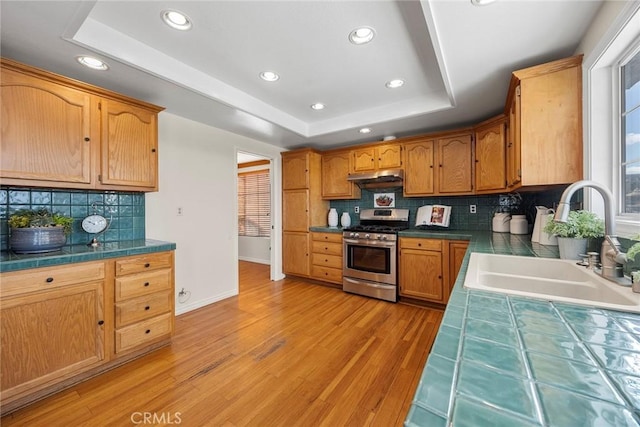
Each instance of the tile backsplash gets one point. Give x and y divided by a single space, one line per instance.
125 210
461 218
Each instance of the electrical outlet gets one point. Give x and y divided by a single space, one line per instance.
182 292
356 209
472 209
179 211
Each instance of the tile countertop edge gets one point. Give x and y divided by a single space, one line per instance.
548 364
82 253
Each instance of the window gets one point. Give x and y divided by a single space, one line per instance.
254 204
630 135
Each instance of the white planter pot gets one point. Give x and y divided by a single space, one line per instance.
571 248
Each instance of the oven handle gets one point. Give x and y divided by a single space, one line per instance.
373 285
382 243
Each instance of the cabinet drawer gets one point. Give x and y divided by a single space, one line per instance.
327 274
332 261
37 279
327 237
328 248
143 332
142 284
424 244
144 307
142 263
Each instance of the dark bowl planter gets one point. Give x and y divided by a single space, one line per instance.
37 240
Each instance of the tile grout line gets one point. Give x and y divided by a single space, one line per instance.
532 384
456 366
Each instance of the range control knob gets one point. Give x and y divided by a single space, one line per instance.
383 237
357 235
367 236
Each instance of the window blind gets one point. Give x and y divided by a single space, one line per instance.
254 204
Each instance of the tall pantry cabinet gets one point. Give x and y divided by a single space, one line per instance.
302 207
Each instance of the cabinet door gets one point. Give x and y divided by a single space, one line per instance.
421 274
457 251
295 210
295 253
129 146
491 157
295 171
455 164
513 145
389 156
48 336
364 159
418 161
46 132
335 170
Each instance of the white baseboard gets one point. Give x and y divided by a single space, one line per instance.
259 261
184 308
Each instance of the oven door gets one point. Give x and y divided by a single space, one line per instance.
372 260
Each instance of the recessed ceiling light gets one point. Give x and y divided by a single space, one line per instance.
393 84
175 19
362 35
318 106
93 63
269 76
481 2
365 130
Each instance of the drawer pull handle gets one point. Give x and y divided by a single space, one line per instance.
147 265
146 283
419 244
100 322
148 331
147 308
49 279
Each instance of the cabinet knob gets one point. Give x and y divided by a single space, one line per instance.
146 283
86 138
100 322
147 308
49 279
153 150
147 265
419 244
148 331
439 277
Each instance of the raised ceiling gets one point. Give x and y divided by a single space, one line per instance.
455 58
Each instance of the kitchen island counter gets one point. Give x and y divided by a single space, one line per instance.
10 261
500 360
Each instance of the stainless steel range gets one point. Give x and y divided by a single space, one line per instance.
370 253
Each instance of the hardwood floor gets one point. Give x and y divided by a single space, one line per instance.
286 353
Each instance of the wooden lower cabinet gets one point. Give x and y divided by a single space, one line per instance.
63 324
295 253
326 257
428 267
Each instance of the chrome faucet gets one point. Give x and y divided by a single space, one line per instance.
611 256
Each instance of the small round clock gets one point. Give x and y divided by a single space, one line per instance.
94 224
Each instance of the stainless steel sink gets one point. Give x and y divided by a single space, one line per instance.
549 279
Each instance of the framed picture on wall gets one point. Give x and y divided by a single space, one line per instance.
384 200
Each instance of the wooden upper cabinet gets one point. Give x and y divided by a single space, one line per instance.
545 111
61 133
513 141
46 131
336 167
129 145
455 173
387 156
418 168
490 153
295 170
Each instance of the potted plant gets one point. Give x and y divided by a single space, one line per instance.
38 230
573 235
632 253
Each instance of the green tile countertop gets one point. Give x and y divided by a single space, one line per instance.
326 229
10 261
509 361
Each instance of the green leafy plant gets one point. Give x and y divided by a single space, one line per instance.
580 224
26 218
634 250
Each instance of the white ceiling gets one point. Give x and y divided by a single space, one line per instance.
455 57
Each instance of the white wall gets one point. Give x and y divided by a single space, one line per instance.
254 249
198 172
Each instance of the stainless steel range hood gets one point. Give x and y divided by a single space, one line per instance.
383 179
